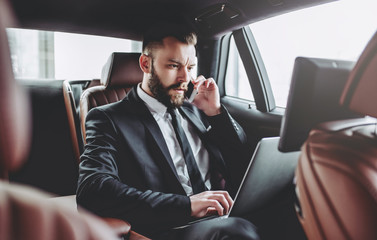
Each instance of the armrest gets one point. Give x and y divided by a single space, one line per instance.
136 236
120 227
68 201
123 229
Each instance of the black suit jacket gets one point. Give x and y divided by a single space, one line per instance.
126 170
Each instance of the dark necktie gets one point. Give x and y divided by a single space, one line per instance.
193 170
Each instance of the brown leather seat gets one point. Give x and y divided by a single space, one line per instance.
25 212
15 126
72 91
70 104
120 73
52 163
337 171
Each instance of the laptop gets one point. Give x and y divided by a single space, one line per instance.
269 172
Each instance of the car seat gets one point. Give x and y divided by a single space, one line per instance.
337 170
120 73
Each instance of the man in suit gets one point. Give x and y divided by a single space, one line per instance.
134 165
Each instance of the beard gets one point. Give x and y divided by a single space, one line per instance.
162 94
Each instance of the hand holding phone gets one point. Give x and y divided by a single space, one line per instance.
191 92
206 95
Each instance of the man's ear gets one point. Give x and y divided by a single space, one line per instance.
145 63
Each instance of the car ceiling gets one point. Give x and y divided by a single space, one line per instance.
129 18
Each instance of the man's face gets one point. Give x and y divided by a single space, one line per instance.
171 71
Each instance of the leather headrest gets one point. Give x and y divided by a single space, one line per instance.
360 93
15 129
121 70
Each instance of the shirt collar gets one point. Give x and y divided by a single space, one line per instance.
152 103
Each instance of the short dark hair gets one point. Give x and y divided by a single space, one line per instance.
155 35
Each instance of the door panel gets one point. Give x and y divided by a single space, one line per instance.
255 123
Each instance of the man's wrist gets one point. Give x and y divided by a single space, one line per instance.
214 112
221 117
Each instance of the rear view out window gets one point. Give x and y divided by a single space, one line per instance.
336 30
55 55
236 81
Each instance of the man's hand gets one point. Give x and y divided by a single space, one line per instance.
208 98
209 203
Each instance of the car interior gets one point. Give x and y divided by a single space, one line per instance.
120 73
27 212
324 137
316 87
338 161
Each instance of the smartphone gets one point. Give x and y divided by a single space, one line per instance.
191 92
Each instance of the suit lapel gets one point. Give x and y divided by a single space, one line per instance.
151 125
159 140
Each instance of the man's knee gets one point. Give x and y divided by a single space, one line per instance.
232 228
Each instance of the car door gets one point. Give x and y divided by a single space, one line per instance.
253 65
246 91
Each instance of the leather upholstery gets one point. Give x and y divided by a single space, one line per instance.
15 127
72 91
52 162
336 183
337 170
121 70
25 212
120 227
120 73
69 102
360 92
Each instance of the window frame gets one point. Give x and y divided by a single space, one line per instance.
256 72
222 64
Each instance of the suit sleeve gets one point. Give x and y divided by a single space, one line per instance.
226 132
101 191
231 140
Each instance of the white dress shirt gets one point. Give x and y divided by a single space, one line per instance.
164 121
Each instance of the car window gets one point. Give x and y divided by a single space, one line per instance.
337 30
236 81
56 55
